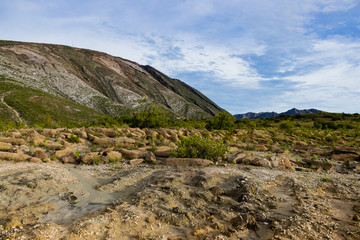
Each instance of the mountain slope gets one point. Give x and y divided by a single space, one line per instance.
107 84
18 104
294 111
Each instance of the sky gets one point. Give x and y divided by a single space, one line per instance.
245 55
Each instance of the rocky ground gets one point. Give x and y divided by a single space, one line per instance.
103 183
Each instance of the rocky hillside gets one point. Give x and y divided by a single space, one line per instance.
293 111
107 84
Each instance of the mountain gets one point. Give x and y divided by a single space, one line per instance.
106 84
294 111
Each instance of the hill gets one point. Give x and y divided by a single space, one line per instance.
109 85
294 111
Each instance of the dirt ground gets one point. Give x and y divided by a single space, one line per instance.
120 201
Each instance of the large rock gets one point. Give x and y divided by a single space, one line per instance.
14 141
125 140
104 157
49 132
5 146
163 151
104 142
39 153
107 132
136 161
132 154
64 153
187 162
235 158
14 156
150 157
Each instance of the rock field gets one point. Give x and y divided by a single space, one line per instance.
123 183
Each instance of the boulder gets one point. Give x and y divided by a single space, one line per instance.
69 159
125 140
107 132
162 151
14 141
39 153
187 162
261 148
38 139
91 157
64 153
111 156
14 156
132 154
235 158
97 157
150 157
5 146
49 132
136 161
53 145
35 160
104 142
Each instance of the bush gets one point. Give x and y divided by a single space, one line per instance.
223 121
198 147
152 117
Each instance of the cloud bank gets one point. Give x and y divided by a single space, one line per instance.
245 55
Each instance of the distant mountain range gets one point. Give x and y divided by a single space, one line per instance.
294 111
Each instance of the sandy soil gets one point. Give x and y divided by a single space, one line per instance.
64 201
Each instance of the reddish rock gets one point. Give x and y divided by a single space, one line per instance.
35 160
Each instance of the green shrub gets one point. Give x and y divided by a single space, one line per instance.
74 139
223 121
199 147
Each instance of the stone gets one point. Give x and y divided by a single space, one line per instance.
162 151
136 161
132 154
35 160
107 132
14 141
125 140
64 153
90 157
111 156
263 162
187 162
53 145
261 148
80 133
14 156
235 158
233 149
49 132
5 146
38 139
345 157
104 141
69 159
243 222
150 157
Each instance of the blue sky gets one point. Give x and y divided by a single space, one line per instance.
256 55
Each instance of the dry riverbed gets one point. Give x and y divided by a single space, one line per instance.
120 201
